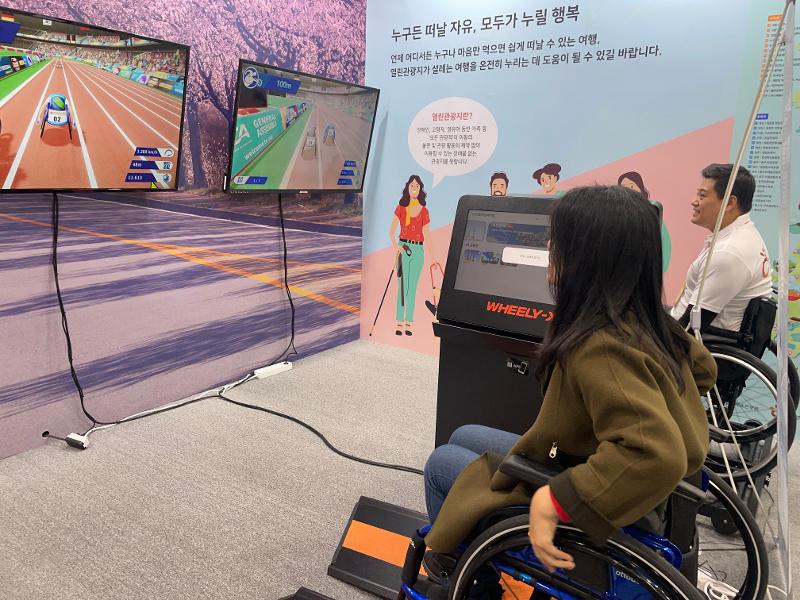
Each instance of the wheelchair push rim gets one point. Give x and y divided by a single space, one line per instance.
753 583
626 558
758 395
747 430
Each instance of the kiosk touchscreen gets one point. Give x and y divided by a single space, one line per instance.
496 275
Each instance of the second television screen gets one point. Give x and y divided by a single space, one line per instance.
299 132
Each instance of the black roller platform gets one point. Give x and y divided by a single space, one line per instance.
373 546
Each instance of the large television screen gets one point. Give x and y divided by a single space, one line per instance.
87 108
299 132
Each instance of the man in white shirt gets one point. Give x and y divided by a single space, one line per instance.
740 269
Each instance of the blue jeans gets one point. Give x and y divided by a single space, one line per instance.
444 464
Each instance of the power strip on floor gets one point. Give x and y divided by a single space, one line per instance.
271 370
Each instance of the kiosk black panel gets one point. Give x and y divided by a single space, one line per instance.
493 313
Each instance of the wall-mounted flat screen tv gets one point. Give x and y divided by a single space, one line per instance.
87 108
299 132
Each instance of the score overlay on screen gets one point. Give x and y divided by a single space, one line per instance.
294 131
85 108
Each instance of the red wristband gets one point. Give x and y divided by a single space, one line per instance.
562 514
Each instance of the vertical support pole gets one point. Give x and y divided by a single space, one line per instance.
784 214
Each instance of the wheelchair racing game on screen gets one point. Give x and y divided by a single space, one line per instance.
87 108
299 132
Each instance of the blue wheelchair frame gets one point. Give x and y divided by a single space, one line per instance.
621 587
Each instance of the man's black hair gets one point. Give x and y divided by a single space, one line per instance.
743 188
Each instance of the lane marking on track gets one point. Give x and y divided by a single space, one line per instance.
236 256
84 149
123 84
172 104
12 172
166 249
318 157
105 112
287 174
335 147
22 85
225 220
347 139
130 112
102 108
101 82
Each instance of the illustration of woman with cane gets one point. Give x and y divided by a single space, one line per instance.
412 218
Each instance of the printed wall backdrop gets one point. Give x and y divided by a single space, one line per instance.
552 95
169 295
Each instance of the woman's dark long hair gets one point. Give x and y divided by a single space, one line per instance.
406 199
605 261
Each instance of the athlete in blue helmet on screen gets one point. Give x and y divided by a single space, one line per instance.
55 111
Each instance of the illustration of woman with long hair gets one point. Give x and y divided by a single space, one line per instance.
412 218
633 181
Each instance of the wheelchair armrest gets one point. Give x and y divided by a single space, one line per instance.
715 335
524 469
538 474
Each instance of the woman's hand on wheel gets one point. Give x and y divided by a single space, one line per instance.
542 532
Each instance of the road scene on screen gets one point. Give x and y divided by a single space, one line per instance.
298 132
82 108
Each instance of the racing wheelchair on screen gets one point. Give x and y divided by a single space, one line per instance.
659 557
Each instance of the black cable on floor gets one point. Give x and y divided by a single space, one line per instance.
64 324
289 351
286 354
325 441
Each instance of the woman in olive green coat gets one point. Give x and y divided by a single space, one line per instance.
622 406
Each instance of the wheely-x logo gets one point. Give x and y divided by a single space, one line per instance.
251 78
515 310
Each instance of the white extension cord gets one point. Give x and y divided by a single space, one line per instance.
271 370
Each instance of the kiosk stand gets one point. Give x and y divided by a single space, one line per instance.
493 313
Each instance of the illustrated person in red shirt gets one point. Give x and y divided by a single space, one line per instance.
413 219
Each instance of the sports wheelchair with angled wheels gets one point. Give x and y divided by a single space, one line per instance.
661 556
742 407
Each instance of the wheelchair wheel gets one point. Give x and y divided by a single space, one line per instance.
771 359
501 559
731 553
747 391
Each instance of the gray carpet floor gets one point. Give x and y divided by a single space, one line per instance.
216 501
